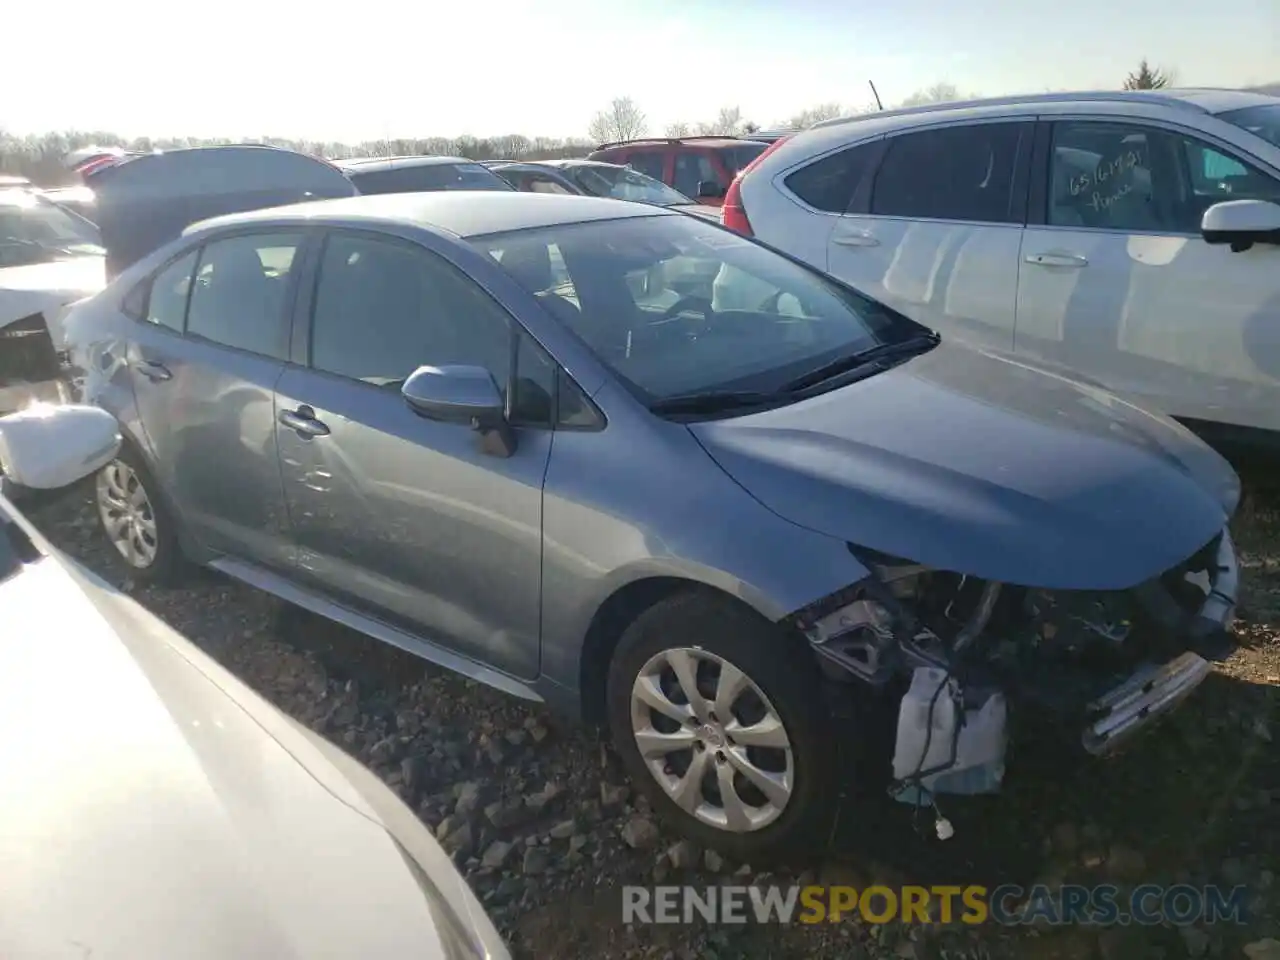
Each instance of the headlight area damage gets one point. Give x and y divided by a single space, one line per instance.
972 654
31 368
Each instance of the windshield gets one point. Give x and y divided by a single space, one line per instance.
736 158
33 230
676 305
622 183
1264 121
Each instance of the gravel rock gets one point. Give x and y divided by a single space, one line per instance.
1267 949
1234 872
496 854
460 842
563 830
536 860
1125 863
640 833
468 795
713 861
683 855
505 814
1195 940
613 794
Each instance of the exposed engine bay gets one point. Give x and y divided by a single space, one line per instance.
973 655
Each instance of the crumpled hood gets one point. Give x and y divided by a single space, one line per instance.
154 807
46 287
985 465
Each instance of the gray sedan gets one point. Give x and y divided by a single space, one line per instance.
668 480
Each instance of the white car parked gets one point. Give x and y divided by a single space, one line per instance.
154 806
1132 237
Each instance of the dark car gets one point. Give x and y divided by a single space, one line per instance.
419 174
145 201
595 178
701 167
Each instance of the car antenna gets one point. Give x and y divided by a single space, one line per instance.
874 93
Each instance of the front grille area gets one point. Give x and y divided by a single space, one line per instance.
27 354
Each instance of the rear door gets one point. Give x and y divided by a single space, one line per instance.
651 161
400 516
1117 283
938 231
204 360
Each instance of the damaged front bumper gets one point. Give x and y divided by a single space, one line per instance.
1155 690
1102 667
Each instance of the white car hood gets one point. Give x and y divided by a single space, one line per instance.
153 806
45 287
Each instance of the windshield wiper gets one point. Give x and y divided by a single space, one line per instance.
881 353
714 401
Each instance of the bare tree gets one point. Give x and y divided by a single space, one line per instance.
678 129
1147 77
823 111
623 120
728 123
938 93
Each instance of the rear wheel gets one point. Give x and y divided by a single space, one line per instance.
720 723
135 521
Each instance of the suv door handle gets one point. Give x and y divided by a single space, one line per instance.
1056 260
860 238
155 372
303 421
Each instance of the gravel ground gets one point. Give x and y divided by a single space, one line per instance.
542 824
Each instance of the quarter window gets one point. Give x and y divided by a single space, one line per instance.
829 184
384 308
952 173
166 302
240 292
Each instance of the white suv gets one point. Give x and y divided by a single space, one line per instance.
1084 230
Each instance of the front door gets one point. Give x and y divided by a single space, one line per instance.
1116 282
204 364
403 517
939 234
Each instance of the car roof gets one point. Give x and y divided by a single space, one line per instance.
369 164
712 141
1198 100
464 213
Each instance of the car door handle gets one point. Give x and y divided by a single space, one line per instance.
1056 260
303 421
155 372
861 238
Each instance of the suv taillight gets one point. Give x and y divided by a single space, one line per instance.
732 213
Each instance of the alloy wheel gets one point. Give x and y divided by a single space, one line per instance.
128 518
712 740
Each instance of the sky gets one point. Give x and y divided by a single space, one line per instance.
354 71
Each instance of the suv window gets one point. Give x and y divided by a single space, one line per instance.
239 294
951 173
652 163
692 169
427 177
828 184
166 301
1136 179
384 308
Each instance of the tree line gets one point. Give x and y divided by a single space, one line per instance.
40 157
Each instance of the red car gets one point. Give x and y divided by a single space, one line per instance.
699 167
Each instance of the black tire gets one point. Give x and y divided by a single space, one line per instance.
783 672
168 566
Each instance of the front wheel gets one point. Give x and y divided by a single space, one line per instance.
718 718
135 520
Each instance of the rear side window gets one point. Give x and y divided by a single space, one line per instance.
428 178
829 184
649 162
240 292
692 169
953 173
166 304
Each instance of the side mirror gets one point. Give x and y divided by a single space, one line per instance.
463 395
1241 223
51 447
710 190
